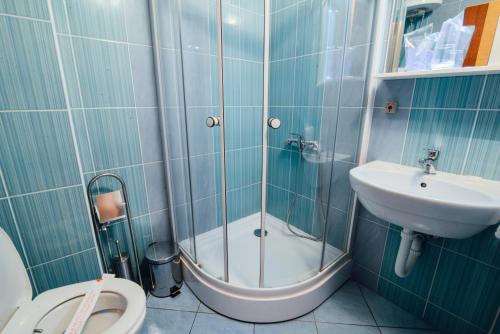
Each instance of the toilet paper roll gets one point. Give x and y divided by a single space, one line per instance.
110 207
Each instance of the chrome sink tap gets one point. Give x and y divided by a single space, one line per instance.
432 155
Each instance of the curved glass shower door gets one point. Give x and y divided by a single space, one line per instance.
258 204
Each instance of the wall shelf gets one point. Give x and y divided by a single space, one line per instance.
449 72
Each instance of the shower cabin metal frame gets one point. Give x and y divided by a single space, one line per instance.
249 304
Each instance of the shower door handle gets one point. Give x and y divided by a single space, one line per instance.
273 122
212 121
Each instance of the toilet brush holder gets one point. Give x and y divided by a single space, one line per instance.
121 264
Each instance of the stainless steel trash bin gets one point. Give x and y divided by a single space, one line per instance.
164 269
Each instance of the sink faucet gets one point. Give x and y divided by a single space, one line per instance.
432 155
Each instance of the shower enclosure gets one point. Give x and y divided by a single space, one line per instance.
262 106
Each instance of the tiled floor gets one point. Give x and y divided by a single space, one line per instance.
353 309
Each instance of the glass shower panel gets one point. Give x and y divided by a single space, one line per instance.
243 38
201 88
306 48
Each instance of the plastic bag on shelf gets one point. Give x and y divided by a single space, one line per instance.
452 43
419 46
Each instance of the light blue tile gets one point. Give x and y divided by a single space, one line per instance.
281 92
309 25
346 306
98 19
448 323
277 137
168 25
402 298
36 9
364 213
2 190
137 21
232 82
388 314
200 138
203 182
305 183
180 183
324 328
60 17
135 182
484 153
70 72
490 99
156 186
8 224
399 91
251 199
446 130
254 6
387 135
234 169
308 89
115 139
234 205
204 309
172 93
340 187
337 230
452 289
141 58
280 4
197 79
278 175
454 92
150 133
174 119
54 224
232 24
142 229
360 28
288 327
251 166
160 224
331 77
205 214
420 278
104 72
307 122
354 75
301 211
30 74
251 83
166 321
82 139
277 202
186 301
252 34
251 130
283 33
369 245
37 151
195 26
76 268
347 137
483 246
214 323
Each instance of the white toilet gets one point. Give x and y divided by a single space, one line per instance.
121 306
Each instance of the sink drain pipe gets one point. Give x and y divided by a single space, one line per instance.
408 253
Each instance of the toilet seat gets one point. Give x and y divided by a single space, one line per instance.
118 295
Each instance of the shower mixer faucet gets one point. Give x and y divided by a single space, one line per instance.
298 140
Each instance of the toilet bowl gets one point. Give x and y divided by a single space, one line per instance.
120 308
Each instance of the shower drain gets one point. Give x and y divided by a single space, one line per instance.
258 232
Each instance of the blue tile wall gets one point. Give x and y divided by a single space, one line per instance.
35 157
106 55
459 115
30 76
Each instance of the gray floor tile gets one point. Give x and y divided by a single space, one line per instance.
346 306
167 322
306 317
288 327
324 328
204 309
215 324
389 314
386 330
186 301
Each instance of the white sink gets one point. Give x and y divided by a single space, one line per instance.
444 204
